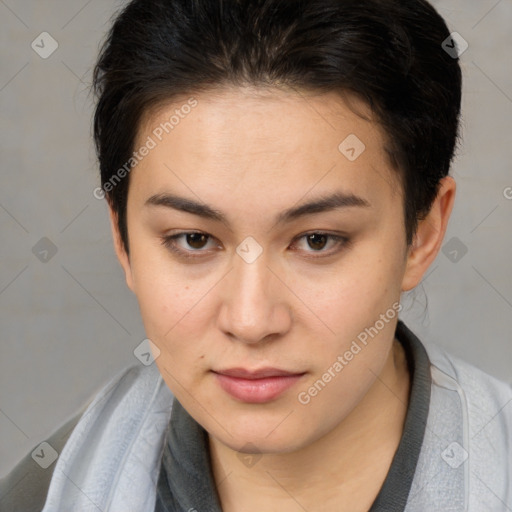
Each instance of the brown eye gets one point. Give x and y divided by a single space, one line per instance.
317 241
325 244
188 244
197 240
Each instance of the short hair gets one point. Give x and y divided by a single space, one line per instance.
387 52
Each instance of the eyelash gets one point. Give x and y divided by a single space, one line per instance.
170 243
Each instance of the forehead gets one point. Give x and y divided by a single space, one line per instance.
251 137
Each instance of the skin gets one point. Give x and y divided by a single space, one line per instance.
251 154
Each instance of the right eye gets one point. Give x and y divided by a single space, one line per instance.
180 243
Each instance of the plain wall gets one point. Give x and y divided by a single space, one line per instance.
70 323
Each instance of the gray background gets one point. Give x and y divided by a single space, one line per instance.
70 323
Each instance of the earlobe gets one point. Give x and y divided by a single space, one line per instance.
120 249
429 235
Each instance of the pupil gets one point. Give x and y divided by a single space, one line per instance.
196 240
313 241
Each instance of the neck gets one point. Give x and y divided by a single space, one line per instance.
343 470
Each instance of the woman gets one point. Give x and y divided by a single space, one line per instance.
277 176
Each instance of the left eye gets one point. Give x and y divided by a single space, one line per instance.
318 241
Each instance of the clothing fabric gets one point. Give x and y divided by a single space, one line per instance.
186 481
24 488
111 461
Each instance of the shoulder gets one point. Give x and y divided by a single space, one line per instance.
485 395
24 489
478 445
466 458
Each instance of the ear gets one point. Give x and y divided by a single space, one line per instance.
120 249
429 235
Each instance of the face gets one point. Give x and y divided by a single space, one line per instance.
231 269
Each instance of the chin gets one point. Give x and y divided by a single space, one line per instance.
260 437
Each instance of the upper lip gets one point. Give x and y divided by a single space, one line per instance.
262 373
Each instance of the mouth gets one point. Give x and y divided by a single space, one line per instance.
256 386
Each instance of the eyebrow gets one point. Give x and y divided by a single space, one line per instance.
322 204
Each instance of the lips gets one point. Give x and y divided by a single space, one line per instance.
256 386
262 373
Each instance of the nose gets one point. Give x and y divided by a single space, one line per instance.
255 304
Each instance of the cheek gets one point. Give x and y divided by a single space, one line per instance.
177 312
356 294
359 306
173 308
360 310
165 292
177 321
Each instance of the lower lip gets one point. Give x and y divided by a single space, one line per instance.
256 391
